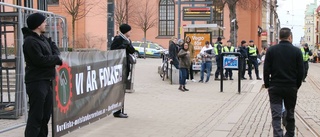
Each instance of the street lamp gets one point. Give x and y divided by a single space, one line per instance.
234 31
271 29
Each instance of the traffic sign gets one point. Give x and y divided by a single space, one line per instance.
230 62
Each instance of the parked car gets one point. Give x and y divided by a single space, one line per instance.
148 49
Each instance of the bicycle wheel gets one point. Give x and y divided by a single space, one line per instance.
164 70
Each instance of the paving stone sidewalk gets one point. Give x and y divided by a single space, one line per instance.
158 109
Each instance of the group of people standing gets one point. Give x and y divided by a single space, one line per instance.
182 56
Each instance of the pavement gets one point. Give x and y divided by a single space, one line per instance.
159 109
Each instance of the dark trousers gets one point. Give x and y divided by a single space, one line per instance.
41 106
253 60
289 96
217 73
129 69
183 73
306 68
243 65
190 72
228 73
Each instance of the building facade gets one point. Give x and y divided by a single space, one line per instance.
310 25
91 31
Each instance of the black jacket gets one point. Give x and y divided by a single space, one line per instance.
283 66
120 43
173 53
41 56
243 51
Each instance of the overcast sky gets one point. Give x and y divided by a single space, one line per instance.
291 14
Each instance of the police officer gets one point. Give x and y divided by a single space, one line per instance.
217 52
243 58
305 54
252 59
228 48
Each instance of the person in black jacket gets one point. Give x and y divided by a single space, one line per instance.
173 52
283 74
122 41
41 57
243 59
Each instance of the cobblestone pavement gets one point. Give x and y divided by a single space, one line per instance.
158 109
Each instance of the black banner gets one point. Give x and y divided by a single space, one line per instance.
88 86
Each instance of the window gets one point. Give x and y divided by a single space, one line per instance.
144 45
153 46
166 18
217 8
53 2
135 44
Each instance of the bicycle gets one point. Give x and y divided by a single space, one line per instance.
165 67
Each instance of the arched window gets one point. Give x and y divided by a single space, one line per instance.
166 18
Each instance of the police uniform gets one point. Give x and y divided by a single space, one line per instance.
305 55
228 71
252 60
217 52
244 55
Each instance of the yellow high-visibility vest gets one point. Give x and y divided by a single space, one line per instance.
305 55
226 49
252 51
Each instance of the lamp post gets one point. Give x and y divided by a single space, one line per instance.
271 29
234 31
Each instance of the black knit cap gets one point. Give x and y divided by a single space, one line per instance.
35 20
124 28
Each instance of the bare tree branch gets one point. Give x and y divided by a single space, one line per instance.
78 9
145 17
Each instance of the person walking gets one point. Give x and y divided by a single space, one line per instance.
122 41
243 58
173 51
192 59
217 52
206 56
184 64
228 48
306 53
41 57
252 60
282 76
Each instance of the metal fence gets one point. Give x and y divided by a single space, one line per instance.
13 98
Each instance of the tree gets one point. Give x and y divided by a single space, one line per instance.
145 18
78 9
122 10
244 4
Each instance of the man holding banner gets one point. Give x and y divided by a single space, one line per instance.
122 42
41 57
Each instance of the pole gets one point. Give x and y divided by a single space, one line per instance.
239 74
234 31
221 71
127 12
179 18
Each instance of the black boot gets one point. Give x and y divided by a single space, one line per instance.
184 88
180 88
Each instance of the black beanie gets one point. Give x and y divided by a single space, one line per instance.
35 20
242 42
124 28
